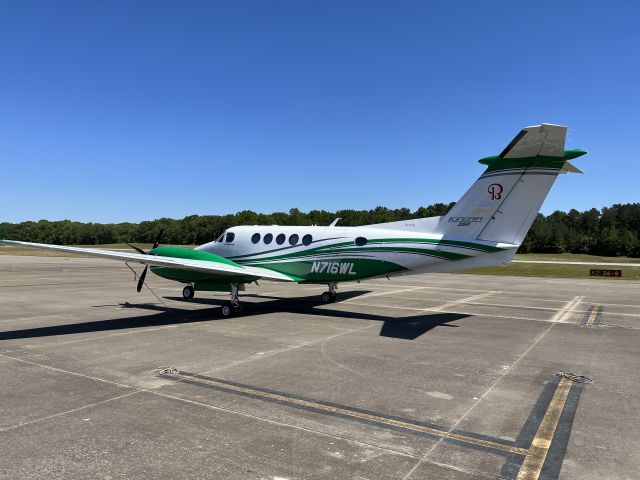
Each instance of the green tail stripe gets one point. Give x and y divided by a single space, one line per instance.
496 163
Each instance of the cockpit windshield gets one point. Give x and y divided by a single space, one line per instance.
220 238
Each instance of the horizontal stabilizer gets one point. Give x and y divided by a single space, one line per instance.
544 140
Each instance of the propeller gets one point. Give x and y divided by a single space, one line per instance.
139 250
155 244
141 279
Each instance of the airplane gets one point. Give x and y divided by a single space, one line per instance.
485 227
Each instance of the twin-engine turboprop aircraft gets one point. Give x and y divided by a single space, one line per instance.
485 227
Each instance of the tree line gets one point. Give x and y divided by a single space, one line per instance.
611 231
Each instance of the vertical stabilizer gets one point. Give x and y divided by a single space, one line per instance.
502 204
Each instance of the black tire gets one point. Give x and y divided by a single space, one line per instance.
226 310
333 296
188 292
326 297
237 308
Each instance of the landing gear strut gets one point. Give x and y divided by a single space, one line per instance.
188 292
233 306
330 296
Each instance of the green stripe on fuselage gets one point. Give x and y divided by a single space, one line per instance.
338 262
420 251
439 242
352 248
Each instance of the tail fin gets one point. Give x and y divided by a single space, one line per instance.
502 204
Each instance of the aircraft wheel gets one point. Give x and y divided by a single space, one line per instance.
333 296
327 297
237 308
188 292
227 310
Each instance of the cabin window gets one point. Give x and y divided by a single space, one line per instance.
360 241
255 238
268 238
307 239
280 239
293 239
230 237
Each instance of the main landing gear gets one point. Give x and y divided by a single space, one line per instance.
232 307
188 292
330 296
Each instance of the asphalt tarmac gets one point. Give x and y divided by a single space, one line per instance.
437 376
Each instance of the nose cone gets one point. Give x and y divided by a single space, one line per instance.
209 247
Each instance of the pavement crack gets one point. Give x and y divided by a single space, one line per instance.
66 412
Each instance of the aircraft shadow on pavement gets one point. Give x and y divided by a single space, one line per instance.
406 328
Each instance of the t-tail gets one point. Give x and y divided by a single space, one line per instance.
503 203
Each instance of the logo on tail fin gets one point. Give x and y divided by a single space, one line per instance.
495 190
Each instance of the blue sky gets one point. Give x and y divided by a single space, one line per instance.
125 111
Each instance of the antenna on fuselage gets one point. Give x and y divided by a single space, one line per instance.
335 222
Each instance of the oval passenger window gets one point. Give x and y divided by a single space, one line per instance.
280 239
255 238
360 241
307 239
268 238
293 239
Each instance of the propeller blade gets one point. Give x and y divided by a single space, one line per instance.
157 242
141 281
137 249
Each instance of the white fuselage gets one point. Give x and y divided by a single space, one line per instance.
351 252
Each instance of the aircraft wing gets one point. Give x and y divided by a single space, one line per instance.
207 266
